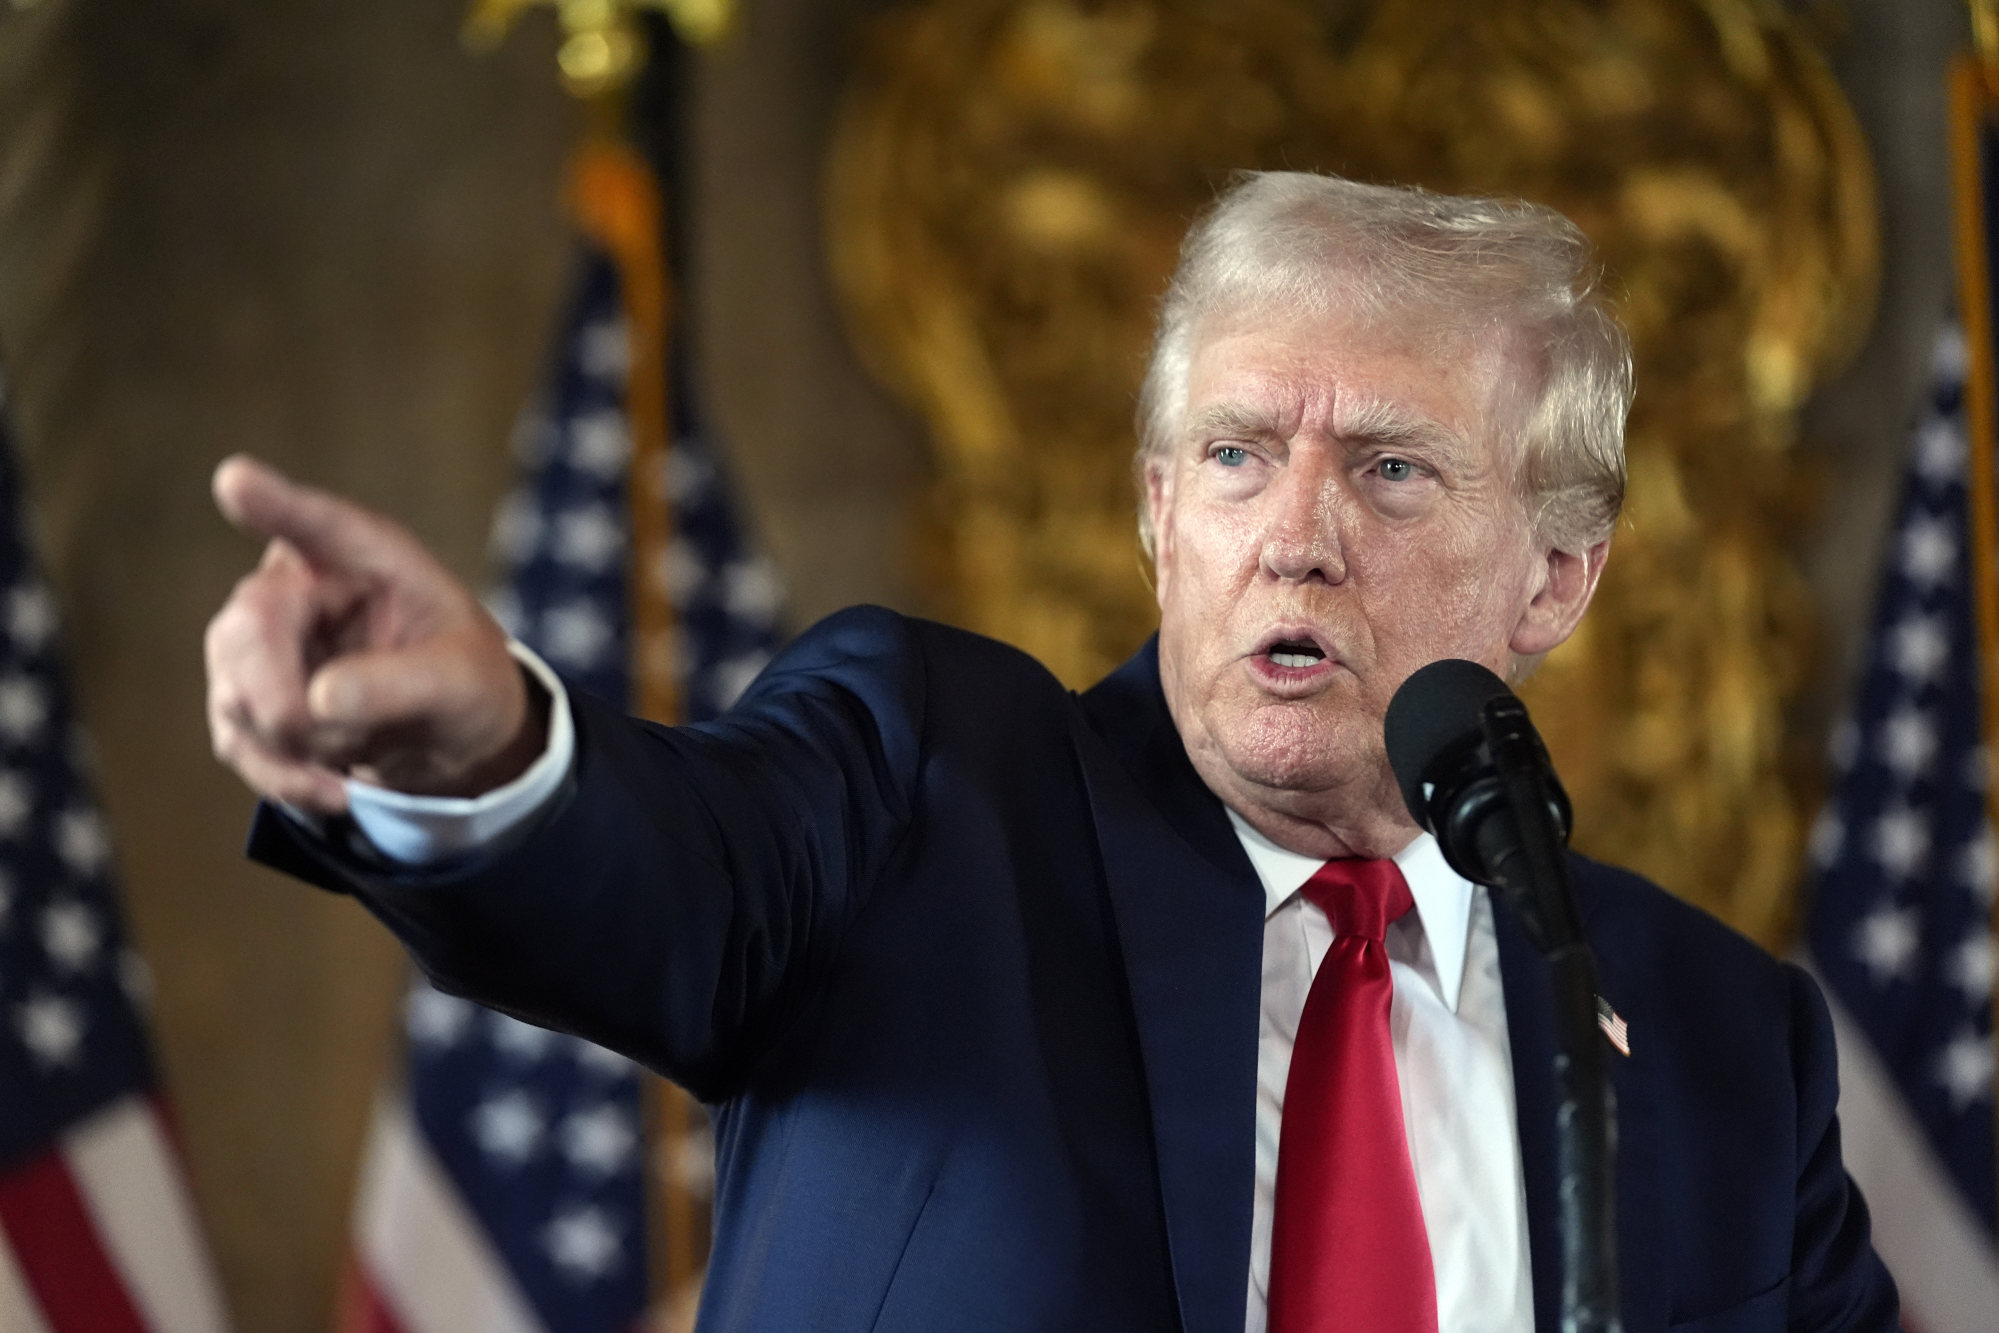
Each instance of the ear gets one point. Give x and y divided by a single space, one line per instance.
1159 510
1568 581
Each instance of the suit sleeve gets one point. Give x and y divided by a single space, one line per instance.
1837 1280
681 898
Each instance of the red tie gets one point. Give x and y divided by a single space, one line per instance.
1348 1253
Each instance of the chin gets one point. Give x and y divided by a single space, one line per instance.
1290 749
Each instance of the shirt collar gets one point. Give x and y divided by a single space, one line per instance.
1443 897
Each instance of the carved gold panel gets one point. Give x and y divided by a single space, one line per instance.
1007 190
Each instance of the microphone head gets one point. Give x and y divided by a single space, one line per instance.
1435 717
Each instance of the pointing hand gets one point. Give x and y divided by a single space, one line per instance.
350 652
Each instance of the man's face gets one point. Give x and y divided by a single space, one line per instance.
1339 510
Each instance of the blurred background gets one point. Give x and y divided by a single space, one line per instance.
915 247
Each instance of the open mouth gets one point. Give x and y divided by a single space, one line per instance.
1295 653
1296 649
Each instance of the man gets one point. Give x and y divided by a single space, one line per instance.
1141 1009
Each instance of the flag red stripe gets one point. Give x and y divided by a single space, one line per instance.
361 1308
60 1256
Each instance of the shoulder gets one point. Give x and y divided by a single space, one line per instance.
879 636
906 679
882 652
1699 985
1634 915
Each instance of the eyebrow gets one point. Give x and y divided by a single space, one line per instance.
1379 421
1374 421
1232 420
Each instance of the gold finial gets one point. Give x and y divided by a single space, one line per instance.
602 47
1985 31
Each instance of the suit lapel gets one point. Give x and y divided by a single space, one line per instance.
1189 917
1530 1028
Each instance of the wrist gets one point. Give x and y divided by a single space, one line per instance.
528 742
418 830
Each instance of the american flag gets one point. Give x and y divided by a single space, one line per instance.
1900 924
1615 1029
504 1189
97 1230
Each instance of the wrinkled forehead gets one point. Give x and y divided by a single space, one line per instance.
1486 365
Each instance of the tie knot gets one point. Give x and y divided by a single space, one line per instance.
1360 897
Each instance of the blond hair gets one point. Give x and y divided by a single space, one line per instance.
1296 241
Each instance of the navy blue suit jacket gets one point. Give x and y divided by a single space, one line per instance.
968 968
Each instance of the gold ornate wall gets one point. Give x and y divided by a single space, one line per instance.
1007 190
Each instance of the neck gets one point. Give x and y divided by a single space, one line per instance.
1328 825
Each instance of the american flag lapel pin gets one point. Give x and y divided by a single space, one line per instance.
1613 1026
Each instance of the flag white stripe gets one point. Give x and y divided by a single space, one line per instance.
1941 1258
424 1251
19 1311
130 1178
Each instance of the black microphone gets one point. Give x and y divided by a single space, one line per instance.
1474 773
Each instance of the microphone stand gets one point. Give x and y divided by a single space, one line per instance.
1530 867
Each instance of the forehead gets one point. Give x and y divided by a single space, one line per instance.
1349 375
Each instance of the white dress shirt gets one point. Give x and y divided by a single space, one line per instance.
1447 1021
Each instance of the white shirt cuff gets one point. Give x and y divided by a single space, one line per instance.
425 830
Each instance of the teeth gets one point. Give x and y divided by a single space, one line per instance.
1295 659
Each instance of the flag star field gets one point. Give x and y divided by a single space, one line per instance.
97 1228
71 1035
1903 855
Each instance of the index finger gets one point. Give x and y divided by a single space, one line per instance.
328 531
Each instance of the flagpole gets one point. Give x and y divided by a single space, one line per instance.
615 200
1973 80
616 203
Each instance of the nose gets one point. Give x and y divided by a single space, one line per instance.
1301 538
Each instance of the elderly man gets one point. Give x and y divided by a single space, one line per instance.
1147 1008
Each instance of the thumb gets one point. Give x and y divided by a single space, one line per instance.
331 533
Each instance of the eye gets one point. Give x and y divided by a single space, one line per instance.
1230 455
1396 469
